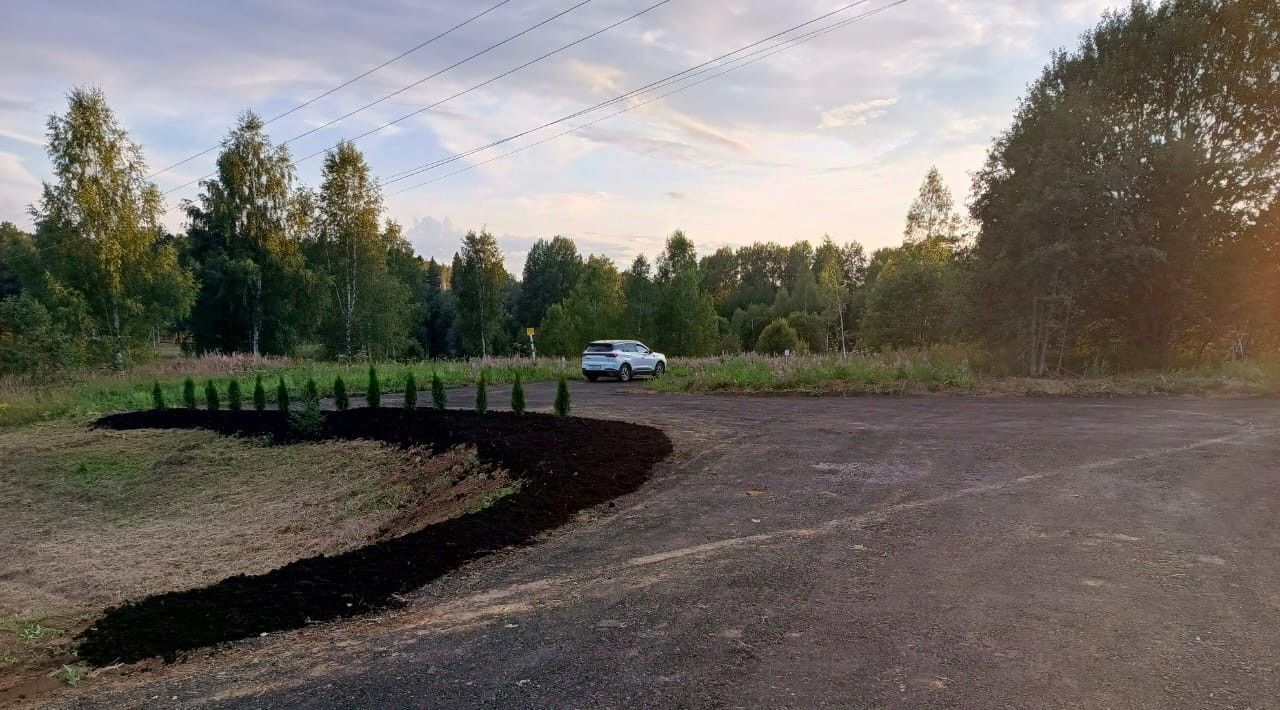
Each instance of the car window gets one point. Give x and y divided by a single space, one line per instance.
627 348
641 347
600 348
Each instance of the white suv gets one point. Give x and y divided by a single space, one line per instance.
621 359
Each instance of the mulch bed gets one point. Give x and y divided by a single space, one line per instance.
567 464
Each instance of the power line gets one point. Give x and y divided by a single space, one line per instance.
421 81
341 86
667 81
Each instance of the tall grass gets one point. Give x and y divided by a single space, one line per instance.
945 369
93 393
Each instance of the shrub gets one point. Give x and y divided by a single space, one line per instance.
157 397
211 396
340 400
374 394
562 397
31 340
311 394
517 396
233 396
189 393
259 394
777 338
410 391
282 396
482 392
438 396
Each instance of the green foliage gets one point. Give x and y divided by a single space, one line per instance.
32 342
257 293
210 396
410 391
1119 213
234 399
341 401
479 282
189 393
71 675
310 393
777 338
562 397
913 301
282 395
439 398
685 322
482 392
157 397
369 311
100 241
259 394
373 394
595 309
517 396
551 270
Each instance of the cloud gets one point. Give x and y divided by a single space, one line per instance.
17 187
856 114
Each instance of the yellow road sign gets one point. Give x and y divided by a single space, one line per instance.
529 331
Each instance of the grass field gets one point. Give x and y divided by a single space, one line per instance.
88 394
955 370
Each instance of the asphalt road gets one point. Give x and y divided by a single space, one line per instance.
932 552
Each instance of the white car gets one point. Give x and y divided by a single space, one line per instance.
622 359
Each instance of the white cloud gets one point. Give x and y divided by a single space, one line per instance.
17 188
856 114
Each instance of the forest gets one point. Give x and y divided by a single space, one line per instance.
1126 219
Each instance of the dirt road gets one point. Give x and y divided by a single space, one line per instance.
872 552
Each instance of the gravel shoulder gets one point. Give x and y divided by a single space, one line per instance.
931 552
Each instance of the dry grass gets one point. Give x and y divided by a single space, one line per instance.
93 518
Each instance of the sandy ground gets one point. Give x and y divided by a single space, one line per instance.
933 552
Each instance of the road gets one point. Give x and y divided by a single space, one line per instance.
930 552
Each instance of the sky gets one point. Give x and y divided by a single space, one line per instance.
832 136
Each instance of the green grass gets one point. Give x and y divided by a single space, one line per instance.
944 369
95 394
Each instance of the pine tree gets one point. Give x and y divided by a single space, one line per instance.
374 394
438 396
211 396
311 394
410 391
233 396
517 396
482 392
562 397
189 393
157 398
282 396
259 394
340 400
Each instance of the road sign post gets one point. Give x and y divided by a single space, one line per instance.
532 348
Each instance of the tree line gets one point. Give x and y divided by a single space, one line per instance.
1127 218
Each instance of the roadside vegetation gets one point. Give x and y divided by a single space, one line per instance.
948 370
88 393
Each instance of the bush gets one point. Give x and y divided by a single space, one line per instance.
189 393
373 395
233 396
410 391
438 396
211 396
777 338
31 341
311 394
517 396
310 421
157 397
340 400
562 397
259 394
482 392
282 396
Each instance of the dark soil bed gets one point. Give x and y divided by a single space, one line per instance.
566 464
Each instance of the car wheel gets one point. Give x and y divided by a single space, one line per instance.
592 378
624 373
660 369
